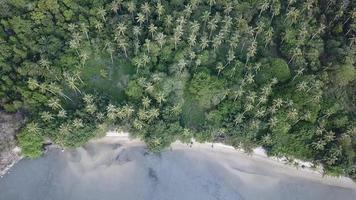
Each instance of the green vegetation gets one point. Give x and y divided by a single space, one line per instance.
275 73
30 141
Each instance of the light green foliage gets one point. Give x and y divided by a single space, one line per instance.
297 142
345 73
30 143
207 90
134 90
273 68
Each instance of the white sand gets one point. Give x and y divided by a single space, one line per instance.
118 168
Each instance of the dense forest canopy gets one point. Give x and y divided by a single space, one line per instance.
276 73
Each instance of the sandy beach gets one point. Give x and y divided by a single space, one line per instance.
117 168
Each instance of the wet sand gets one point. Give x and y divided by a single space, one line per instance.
109 169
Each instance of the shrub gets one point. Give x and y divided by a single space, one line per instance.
30 143
273 68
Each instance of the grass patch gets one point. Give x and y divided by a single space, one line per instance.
102 76
193 115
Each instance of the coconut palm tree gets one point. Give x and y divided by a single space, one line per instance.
296 52
192 40
292 114
161 39
226 29
131 7
71 82
159 9
152 29
266 90
319 145
228 8
146 9
78 123
263 7
275 8
181 21
238 93
46 116
54 103
62 114
32 84
140 18
121 29
212 26
153 113
192 55
176 39
268 36
145 59
123 45
168 22
102 13
217 41
194 27
88 98
146 102
98 25
320 30
136 30
292 15
234 41
176 109
84 29
251 52
137 61
220 67
91 108
187 10
74 44
147 45
248 107
273 122
260 113
100 116
204 42
116 5
262 99
211 3
250 78
33 127
160 98
278 102
137 124
329 136
72 27
149 88
182 63
300 72
272 110
44 63
83 57
251 96
111 112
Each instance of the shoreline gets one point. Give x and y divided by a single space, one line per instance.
258 155
308 171
9 159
